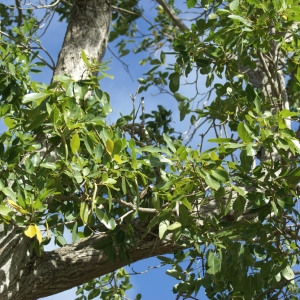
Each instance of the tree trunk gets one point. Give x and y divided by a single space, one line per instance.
88 30
24 277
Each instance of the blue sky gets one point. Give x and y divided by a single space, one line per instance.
154 284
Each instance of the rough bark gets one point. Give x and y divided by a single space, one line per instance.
88 30
70 266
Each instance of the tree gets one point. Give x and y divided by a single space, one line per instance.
134 189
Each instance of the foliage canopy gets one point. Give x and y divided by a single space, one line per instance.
231 210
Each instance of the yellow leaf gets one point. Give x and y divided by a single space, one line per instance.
38 234
117 158
30 230
75 143
110 146
17 207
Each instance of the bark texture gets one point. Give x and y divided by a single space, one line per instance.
88 30
70 266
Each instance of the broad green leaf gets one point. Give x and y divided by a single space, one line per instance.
9 122
174 226
75 143
162 229
288 273
80 90
287 113
220 174
211 182
176 274
74 232
174 82
84 211
12 69
169 142
48 165
109 146
219 140
213 263
186 203
234 5
180 97
60 240
84 58
241 19
109 198
238 189
243 133
35 97
162 57
111 224
246 161
191 3
5 211
9 193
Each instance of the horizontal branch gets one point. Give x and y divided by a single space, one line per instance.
62 269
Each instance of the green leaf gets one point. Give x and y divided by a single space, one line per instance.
241 19
60 240
234 5
35 97
220 174
238 190
9 122
174 82
84 211
84 58
220 140
211 182
75 143
176 274
9 193
109 146
288 273
111 224
191 3
74 232
246 161
48 165
12 69
162 229
180 97
80 90
213 263
162 57
5 211
174 226
243 133
169 142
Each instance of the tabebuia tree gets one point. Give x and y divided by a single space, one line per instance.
223 197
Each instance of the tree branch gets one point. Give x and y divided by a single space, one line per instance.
171 13
62 268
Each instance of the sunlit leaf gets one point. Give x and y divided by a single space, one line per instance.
75 143
109 146
30 230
